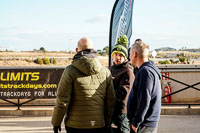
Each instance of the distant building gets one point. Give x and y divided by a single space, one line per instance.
193 50
165 49
4 49
171 55
37 50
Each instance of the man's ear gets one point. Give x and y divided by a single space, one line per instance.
135 54
76 50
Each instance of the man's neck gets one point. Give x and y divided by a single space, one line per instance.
140 62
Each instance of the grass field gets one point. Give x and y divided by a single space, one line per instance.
65 58
27 58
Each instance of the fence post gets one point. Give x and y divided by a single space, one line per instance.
18 104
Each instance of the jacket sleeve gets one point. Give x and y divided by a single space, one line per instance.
125 84
63 97
110 99
143 97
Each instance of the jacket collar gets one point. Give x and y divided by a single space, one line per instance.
90 53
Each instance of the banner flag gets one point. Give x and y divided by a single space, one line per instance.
120 23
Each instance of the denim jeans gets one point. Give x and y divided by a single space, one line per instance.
145 129
123 125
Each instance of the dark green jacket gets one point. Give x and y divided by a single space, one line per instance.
85 94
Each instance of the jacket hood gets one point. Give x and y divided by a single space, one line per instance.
152 65
87 62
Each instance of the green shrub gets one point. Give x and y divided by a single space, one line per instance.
188 61
46 61
182 59
176 62
53 61
173 62
43 49
104 54
164 62
39 61
28 60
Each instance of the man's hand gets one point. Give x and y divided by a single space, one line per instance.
134 128
56 129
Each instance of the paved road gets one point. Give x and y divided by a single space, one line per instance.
179 124
167 124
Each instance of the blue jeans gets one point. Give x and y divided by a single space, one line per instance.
145 129
123 125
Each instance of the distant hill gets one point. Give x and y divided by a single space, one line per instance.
165 49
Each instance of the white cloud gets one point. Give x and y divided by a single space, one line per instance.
15 30
17 39
98 18
23 31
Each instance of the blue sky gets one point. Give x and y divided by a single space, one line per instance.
59 24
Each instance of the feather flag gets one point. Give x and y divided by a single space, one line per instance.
120 23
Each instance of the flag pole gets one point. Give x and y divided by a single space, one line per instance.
110 33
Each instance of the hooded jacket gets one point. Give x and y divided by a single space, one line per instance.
144 102
123 80
85 93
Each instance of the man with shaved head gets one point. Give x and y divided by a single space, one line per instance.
84 43
85 95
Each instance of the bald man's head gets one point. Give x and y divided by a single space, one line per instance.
84 43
